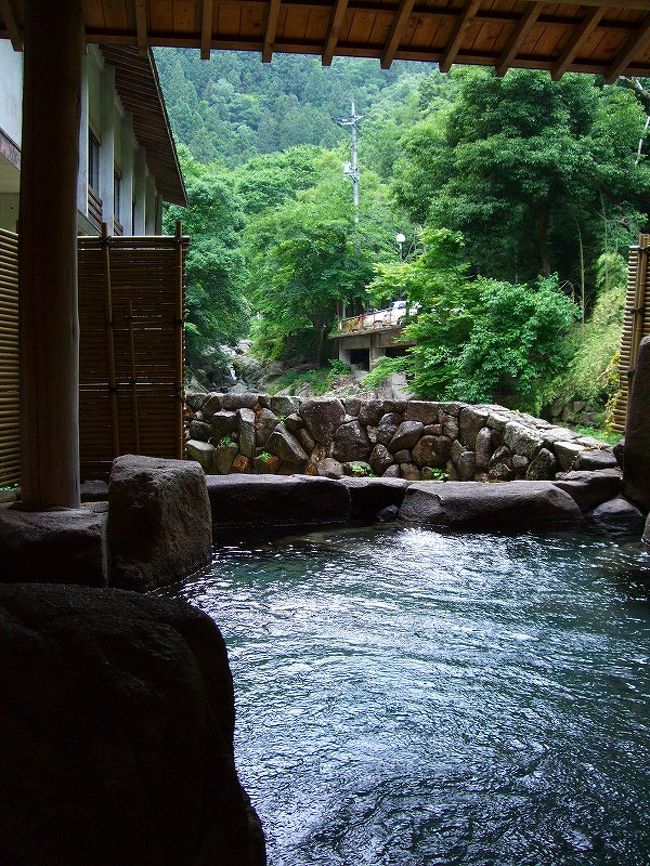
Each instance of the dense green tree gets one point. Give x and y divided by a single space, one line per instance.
216 310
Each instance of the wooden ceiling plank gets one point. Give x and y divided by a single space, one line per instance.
587 26
11 24
271 28
206 28
333 30
636 42
452 49
140 9
519 33
399 26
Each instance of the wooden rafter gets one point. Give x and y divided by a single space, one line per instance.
519 33
583 32
400 21
140 7
333 30
206 28
636 42
271 28
465 20
11 24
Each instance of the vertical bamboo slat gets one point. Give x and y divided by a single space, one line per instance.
180 308
134 382
110 342
9 366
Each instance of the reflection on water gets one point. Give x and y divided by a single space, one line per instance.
411 698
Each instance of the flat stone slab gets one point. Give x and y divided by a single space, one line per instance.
277 500
117 733
369 496
94 491
54 546
512 504
590 489
159 521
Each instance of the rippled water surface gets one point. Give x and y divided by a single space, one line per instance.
408 698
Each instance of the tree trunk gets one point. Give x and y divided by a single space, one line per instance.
542 240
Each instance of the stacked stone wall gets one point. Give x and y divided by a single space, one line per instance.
415 439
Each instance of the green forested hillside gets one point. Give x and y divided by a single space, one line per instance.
518 197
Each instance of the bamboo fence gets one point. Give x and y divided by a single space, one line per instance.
636 326
131 307
9 362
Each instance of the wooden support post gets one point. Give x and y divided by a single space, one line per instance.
49 339
110 341
180 367
134 382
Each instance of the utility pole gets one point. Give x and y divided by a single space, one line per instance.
351 169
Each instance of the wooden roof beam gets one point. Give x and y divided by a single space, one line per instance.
452 49
11 24
570 51
519 33
635 43
140 8
400 21
206 28
333 30
271 29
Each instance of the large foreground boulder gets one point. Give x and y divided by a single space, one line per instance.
266 500
159 524
618 515
56 546
488 506
369 496
636 470
116 734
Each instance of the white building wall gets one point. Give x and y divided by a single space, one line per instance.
11 91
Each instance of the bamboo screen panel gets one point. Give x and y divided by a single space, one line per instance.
636 325
9 375
131 302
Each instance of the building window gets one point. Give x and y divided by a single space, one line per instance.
93 162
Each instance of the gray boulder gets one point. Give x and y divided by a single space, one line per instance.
406 435
293 422
306 439
54 546
200 430
466 466
543 467
265 423
223 424
202 452
422 410
351 442
329 468
212 404
567 453
488 506
618 515
471 422
387 428
322 417
595 459
159 525
247 432
260 500
117 732
247 400
380 459
369 496
410 472
224 457
590 489
483 448
284 405
285 446
371 412
449 425
521 440
195 401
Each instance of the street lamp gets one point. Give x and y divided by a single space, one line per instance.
400 238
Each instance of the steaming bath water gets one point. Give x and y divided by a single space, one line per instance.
409 698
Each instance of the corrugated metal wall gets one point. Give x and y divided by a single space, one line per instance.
9 375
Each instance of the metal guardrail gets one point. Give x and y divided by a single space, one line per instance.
374 321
